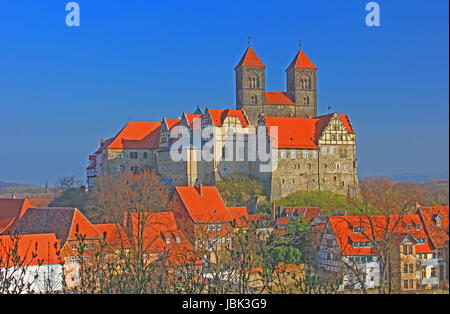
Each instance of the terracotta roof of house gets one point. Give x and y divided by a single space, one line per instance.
32 249
156 228
64 222
342 228
437 234
11 210
301 132
301 61
135 135
190 117
250 59
278 98
309 213
218 116
114 235
204 204
240 216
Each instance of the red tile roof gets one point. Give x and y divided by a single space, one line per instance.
240 216
301 132
155 228
250 59
135 135
218 116
190 117
437 234
204 204
309 213
301 61
278 98
11 210
342 228
116 237
32 249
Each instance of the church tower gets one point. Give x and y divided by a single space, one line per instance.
301 78
250 85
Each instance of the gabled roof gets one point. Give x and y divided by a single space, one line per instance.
135 135
437 234
250 59
32 249
309 213
278 98
301 61
218 116
342 227
156 228
240 216
11 210
204 204
303 133
64 222
114 235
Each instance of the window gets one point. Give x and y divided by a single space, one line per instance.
411 268
408 228
145 155
345 167
331 150
324 150
74 247
225 168
72 260
336 128
405 268
305 153
324 166
407 249
293 154
119 155
178 239
314 153
168 239
228 241
418 227
340 137
358 230
133 155
333 137
405 284
282 153
433 272
309 166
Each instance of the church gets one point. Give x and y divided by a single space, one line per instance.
312 152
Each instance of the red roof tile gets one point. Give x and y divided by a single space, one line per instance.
218 116
115 235
32 249
278 98
135 135
301 132
301 61
11 210
204 204
437 234
240 216
250 59
342 228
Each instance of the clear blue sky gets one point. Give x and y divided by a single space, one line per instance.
62 89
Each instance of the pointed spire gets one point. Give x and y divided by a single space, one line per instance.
301 61
250 59
46 187
198 111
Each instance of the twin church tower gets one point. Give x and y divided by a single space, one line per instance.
300 99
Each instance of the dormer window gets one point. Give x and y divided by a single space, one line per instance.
438 220
168 239
178 239
358 230
418 227
408 227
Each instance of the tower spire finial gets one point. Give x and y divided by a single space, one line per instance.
300 44
249 41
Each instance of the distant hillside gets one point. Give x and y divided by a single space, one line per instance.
7 189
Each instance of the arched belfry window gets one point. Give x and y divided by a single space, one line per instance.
253 81
307 100
309 83
254 99
304 100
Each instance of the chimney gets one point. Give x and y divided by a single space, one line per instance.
273 212
101 141
309 116
199 188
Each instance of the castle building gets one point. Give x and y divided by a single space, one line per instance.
313 152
